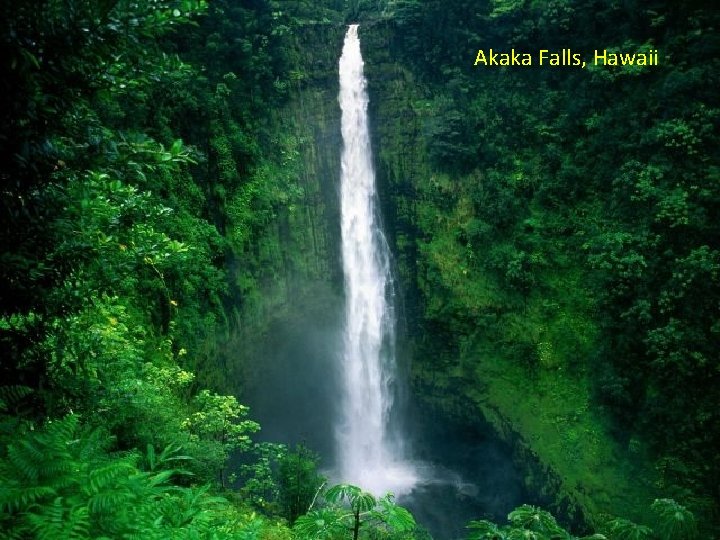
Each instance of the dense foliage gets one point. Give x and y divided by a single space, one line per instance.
530 522
559 242
559 230
132 182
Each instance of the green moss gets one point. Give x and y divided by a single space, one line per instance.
526 371
503 318
551 414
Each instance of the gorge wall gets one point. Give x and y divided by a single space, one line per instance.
291 320
171 250
488 344
494 192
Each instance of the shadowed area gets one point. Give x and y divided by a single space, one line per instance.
293 392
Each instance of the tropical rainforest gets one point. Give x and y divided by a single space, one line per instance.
168 203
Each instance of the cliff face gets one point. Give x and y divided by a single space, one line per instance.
509 342
282 350
513 338
301 236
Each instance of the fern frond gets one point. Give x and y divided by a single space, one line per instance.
59 434
77 525
44 457
17 533
15 499
11 395
57 522
23 464
47 525
58 472
104 502
105 476
92 444
32 451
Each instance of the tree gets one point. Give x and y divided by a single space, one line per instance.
351 509
219 426
299 481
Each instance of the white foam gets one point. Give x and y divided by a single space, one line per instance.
368 454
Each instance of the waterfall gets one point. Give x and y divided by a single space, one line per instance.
368 455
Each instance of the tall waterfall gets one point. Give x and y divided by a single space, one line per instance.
368 455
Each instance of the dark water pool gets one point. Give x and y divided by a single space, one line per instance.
469 474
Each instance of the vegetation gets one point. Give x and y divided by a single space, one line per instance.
556 230
163 196
363 510
673 522
133 185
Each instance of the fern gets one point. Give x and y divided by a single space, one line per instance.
59 482
38 465
12 395
15 498
60 433
104 502
56 521
21 460
31 451
92 444
108 475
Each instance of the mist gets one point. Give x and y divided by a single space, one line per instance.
293 389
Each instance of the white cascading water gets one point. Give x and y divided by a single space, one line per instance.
368 456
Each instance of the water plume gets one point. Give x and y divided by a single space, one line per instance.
369 455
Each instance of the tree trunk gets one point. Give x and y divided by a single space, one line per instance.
356 530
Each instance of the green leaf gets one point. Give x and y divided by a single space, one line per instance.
339 492
484 530
320 524
675 522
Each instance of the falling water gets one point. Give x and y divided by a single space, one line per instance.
369 456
